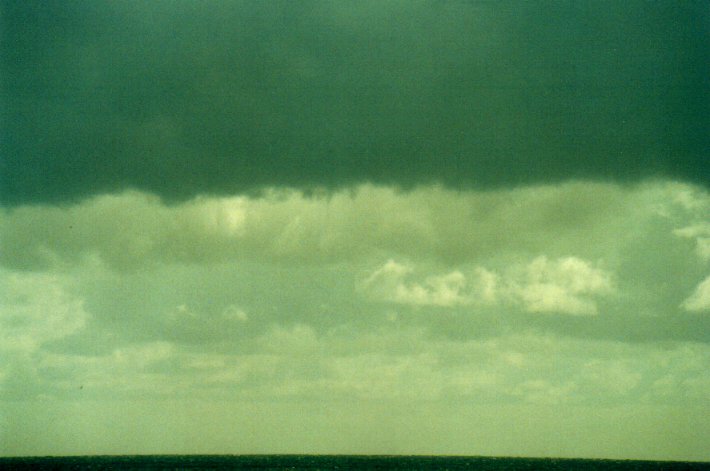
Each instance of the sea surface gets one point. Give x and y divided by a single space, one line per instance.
329 462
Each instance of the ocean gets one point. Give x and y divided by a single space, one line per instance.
340 462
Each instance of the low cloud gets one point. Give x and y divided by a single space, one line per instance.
234 313
699 301
701 234
296 362
129 230
35 309
389 283
567 285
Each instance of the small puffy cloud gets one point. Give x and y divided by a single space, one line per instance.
234 313
701 233
487 285
36 308
143 355
565 286
182 312
390 283
700 299
693 200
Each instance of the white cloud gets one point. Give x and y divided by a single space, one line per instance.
395 363
181 313
36 308
130 230
566 285
700 299
260 294
390 283
142 355
701 233
487 285
234 313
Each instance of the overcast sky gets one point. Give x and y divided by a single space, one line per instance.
438 227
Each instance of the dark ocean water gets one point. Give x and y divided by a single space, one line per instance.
329 462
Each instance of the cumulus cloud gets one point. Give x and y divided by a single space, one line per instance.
374 294
234 313
295 361
389 282
701 234
129 230
700 299
566 285
574 249
37 308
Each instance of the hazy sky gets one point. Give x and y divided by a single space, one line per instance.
445 226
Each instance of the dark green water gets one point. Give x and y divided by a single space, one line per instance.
328 462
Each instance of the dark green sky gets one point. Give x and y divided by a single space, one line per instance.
179 98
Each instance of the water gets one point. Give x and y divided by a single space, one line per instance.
331 462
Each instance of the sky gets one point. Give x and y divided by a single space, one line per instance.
377 227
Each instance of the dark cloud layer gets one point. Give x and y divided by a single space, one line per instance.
180 98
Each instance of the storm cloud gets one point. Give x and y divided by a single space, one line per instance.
186 98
